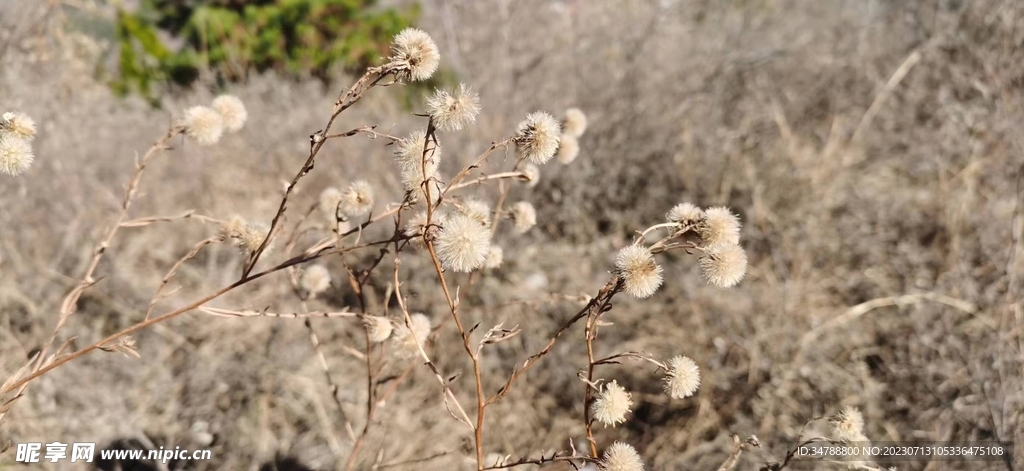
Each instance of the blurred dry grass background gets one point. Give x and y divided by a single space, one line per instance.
872 149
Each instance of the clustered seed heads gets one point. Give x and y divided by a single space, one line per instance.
315 280
408 341
682 378
537 137
17 131
453 110
621 457
414 56
612 404
206 125
685 214
723 262
640 273
724 265
462 243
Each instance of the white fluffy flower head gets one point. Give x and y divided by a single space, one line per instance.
414 55
848 425
462 243
410 158
719 227
612 404
357 199
575 122
723 265
315 280
524 216
18 124
407 342
568 149
532 173
15 154
453 110
494 257
641 274
685 213
537 137
682 378
232 111
379 328
329 200
621 457
204 125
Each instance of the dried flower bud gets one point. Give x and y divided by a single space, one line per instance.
462 243
723 265
575 123
407 342
315 280
685 213
612 404
15 154
410 159
18 124
494 257
682 378
357 199
453 110
641 274
204 125
379 328
719 227
232 111
532 173
414 55
537 137
848 425
621 457
568 149
523 216
330 198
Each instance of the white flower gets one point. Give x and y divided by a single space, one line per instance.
641 274
204 125
682 378
232 110
612 404
537 137
462 243
15 154
414 55
454 110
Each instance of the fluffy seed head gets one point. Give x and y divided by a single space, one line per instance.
621 457
204 125
523 216
494 257
407 342
723 265
537 137
612 404
232 110
18 124
357 199
329 200
409 157
682 378
379 328
247 237
532 173
414 55
568 149
15 154
641 274
848 425
453 110
719 227
685 213
478 210
575 123
315 280
462 243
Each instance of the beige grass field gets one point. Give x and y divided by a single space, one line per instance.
873 150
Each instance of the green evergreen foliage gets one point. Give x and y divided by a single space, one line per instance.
171 41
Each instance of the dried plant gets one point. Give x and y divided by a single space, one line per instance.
448 220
